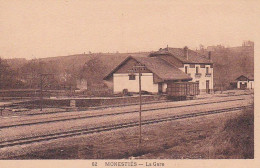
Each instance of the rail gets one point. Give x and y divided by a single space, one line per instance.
29 140
109 114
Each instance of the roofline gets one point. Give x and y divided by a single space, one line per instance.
126 59
189 62
175 67
159 76
241 75
208 63
184 62
129 57
248 78
188 79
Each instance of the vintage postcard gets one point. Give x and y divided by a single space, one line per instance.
128 83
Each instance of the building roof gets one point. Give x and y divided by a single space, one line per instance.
193 57
248 77
161 68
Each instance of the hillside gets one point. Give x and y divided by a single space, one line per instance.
16 63
230 63
77 61
67 70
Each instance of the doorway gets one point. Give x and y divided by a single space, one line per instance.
207 86
243 86
159 88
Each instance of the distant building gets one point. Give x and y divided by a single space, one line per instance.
248 44
245 82
163 66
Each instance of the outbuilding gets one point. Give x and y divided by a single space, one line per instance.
245 82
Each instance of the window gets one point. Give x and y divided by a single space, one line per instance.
207 70
131 77
197 70
186 69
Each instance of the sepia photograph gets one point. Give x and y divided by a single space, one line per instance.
127 81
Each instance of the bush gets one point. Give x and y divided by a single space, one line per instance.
236 138
125 92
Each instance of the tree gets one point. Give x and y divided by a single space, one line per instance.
8 77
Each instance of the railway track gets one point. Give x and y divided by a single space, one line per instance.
67 110
111 106
77 117
65 134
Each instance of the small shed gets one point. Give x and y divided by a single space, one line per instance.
245 82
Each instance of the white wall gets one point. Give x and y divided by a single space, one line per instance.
164 87
250 84
121 81
202 79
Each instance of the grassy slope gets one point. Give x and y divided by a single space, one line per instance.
235 139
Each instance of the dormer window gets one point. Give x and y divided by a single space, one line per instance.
207 70
197 70
208 74
186 69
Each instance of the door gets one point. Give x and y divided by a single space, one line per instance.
243 86
159 87
207 86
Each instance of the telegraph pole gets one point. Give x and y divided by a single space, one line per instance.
139 68
41 95
1 73
41 83
140 109
41 87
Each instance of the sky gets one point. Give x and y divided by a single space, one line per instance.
46 28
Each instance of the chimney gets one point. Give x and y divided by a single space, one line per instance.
186 55
167 48
209 54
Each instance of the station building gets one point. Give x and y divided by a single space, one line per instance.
161 67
